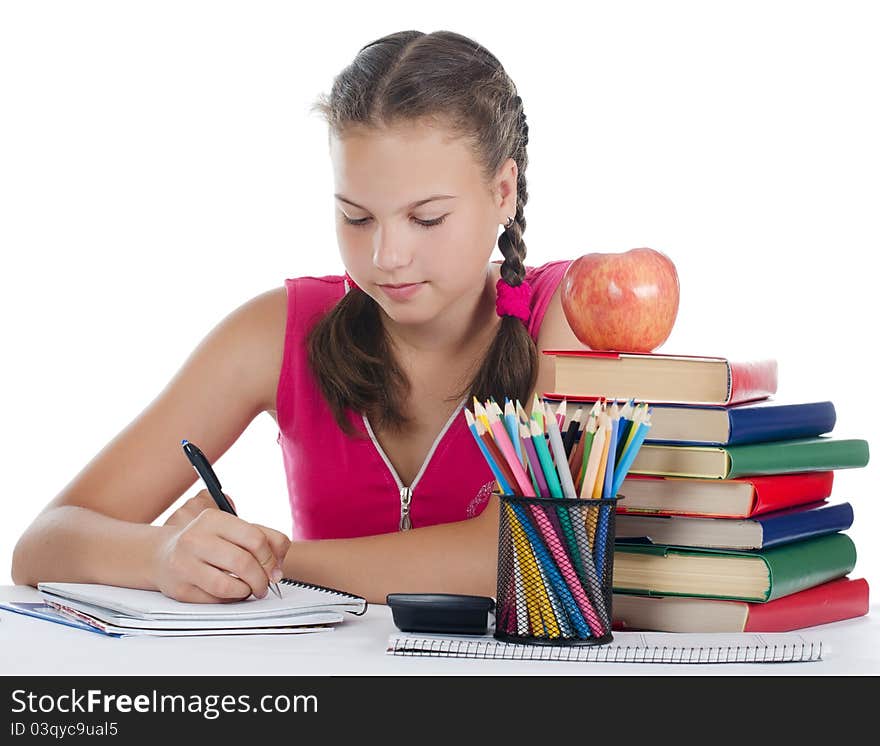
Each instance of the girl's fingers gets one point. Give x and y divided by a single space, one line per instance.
231 558
192 594
192 508
219 585
249 537
279 543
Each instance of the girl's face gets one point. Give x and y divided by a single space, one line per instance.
411 207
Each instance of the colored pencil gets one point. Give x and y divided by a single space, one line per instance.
537 411
626 415
572 431
510 422
560 460
638 416
550 473
577 447
599 480
587 440
503 485
534 462
525 602
560 415
545 463
631 451
608 478
507 450
480 412
595 457
579 548
518 591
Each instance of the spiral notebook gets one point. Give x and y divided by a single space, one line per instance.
114 609
626 647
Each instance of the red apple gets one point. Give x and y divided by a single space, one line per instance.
625 301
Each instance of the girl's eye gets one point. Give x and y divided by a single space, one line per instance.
423 223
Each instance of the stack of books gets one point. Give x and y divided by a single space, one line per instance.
726 522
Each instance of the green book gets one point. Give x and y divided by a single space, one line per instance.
821 453
757 575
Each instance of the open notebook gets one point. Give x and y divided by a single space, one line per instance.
114 609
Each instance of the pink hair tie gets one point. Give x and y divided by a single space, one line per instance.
513 301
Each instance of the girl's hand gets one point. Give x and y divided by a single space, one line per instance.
192 507
203 545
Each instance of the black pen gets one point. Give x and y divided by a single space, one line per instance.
206 472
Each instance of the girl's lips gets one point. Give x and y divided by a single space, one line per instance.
401 292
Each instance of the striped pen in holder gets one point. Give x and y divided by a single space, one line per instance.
558 496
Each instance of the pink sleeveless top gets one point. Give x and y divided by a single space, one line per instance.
340 486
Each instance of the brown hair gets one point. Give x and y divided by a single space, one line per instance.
445 77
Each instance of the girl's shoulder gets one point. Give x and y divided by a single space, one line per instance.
315 293
546 282
548 271
257 338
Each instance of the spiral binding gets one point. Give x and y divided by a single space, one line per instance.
327 589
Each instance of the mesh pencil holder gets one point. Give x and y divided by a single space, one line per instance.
555 566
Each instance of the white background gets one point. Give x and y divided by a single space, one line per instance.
159 167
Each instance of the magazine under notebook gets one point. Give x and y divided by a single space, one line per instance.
133 607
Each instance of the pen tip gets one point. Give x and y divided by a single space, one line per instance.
184 442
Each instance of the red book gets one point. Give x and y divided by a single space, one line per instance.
742 497
834 601
655 377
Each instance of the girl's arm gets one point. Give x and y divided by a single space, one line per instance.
70 543
97 529
458 557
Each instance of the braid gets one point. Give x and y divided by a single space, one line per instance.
510 367
511 242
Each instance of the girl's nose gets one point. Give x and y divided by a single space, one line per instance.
390 252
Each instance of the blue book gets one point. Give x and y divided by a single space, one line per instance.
758 532
758 421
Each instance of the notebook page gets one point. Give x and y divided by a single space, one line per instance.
143 604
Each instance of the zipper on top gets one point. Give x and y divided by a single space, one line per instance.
406 493
405 500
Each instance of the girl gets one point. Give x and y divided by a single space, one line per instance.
366 374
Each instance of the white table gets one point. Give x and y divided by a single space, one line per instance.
31 646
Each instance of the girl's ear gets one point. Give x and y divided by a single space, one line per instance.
505 189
